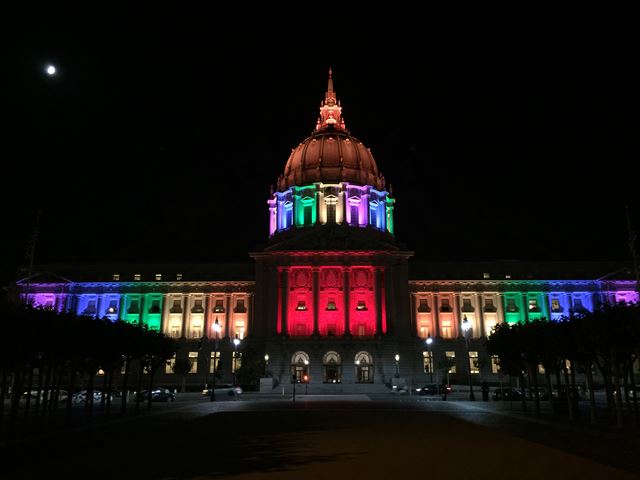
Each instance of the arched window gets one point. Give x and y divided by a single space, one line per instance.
332 367
299 366
364 367
332 203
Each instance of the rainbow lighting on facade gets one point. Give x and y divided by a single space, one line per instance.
331 298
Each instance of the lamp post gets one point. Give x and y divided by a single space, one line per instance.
216 333
266 364
429 342
466 328
306 377
236 342
397 365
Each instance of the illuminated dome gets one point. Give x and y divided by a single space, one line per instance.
331 154
331 179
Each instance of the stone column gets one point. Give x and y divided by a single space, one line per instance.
500 306
525 307
186 314
164 323
435 305
457 314
99 301
249 326
142 317
377 286
207 315
227 315
284 282
480 316
346 300
316 300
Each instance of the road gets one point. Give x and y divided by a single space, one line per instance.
328 437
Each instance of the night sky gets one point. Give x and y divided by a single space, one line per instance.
158 139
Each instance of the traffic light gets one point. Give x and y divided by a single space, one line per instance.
306 379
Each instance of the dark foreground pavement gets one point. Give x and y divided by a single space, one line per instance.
332 438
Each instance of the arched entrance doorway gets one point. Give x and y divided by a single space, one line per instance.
299 366
364 367
332 368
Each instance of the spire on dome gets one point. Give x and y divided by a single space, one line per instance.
330 109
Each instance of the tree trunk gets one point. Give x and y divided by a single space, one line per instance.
568 391
56 393
3 393
533 374
27 401
592 397
45 391
125 385
107 412
616 386
625 384
88 404
183 387
522 391
635 392
16 390
151 375
139 389
70 387
547 377
103 399
39 390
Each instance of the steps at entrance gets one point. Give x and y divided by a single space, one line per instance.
332 388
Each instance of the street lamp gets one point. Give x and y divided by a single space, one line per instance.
236 342
216 333
466 328
266 363
397 365
429 342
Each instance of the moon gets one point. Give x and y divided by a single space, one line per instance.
51 70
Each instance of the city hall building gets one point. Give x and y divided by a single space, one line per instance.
332 298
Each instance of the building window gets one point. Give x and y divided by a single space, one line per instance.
237 362
193 361
168 369
427 362
134 307
331 209
197 306
424 330
423 306
361 330
177 306
155 306
495 368
240 329
577 305
355 210
158 277
218 308
113 307
240 308
214 363
196 329
308 214
541 369
533 305
473 360
301 305
466 305
91 308
178 276
486 276
361 305
176 326
331 304
489 306
445 327
507 276
511 305
444 305
451 361
137 276
555 305
116 277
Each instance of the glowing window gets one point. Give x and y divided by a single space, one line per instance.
489 306
331 304
423 306
116 277
361 305
495 368
158 277
137 276
155 306
533 305
466 305
511 305
301 305
176 307
178 276
427 362
444 305
473 360
193 361
197 306
451 361
555 305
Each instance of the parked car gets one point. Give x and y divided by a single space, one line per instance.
508 393
158 394
433 389
81 396
62 394
224 389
